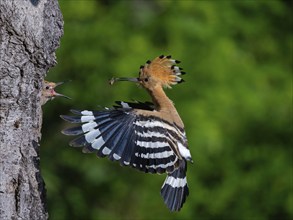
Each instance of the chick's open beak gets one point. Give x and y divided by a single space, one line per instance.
58 94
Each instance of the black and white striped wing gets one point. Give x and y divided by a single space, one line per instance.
102 132
122 135
155 148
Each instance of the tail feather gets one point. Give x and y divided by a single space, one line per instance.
175 189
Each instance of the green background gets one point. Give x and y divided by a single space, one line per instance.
236 105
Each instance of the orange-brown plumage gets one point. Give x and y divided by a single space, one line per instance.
155 75
163 72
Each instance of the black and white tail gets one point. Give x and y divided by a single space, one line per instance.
175 189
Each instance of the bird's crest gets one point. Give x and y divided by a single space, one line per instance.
164 70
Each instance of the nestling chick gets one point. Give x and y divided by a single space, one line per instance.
48 92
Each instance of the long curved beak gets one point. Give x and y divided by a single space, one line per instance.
113 80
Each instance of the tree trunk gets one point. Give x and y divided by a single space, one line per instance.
30 32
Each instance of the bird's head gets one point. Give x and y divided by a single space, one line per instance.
162 72
49 93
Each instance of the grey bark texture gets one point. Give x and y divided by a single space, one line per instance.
30 32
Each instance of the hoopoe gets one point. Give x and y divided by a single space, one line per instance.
49 93
147 136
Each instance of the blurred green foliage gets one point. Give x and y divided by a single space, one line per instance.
236 105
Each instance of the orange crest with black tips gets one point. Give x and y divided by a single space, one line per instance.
162 69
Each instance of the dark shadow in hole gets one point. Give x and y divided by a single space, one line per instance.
35 2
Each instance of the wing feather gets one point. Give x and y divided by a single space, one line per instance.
122 135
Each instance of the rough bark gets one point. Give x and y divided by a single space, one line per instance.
30 32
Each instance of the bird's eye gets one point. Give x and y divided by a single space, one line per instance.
146 79
47 87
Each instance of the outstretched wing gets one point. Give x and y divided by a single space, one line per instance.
122 135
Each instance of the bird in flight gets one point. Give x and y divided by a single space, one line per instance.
148 136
